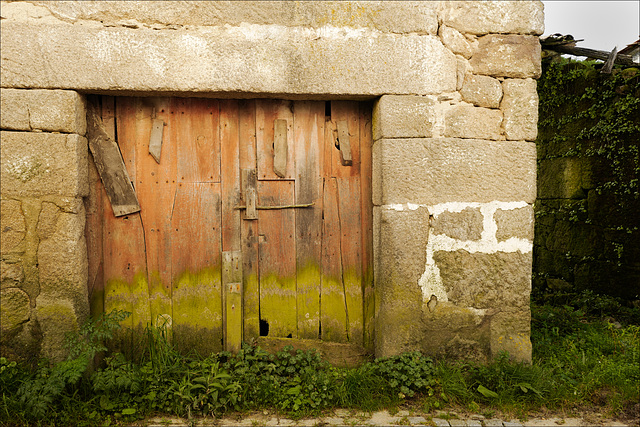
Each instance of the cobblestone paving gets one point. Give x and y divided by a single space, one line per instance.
342 417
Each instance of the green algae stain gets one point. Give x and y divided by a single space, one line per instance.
333 310
197 310
354 303
160 304
308 299
278 305
251 306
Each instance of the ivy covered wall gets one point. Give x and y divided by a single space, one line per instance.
587 232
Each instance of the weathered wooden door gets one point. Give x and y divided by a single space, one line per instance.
255 221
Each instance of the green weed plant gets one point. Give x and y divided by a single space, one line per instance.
579 359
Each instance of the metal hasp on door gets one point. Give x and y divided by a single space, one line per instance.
255 223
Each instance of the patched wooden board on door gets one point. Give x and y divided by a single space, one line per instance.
266 183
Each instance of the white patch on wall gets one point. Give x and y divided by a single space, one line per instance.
431 281
109 46
25 168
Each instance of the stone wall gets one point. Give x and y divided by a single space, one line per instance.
454 165
587 234
44 261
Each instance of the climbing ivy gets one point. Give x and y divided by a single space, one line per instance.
589 124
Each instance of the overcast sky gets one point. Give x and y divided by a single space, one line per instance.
602 24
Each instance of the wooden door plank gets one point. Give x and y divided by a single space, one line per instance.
230 155
309 143
267 112
333 309
196 258
349 111
249 229
94 236
328 146
366 144
155 140
351 248
277 257
156 187
110 165
123 243
199 147
230 181
232 282
126 126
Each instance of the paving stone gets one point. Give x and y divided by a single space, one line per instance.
417 420
341 412
493 422
439 422
512 423
334 421
272 422
382 418
473 423
457 423
402 413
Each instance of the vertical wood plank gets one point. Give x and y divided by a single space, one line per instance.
351 247
94 237
230 181
123 241
156 188
366 144
126 127
230 154
333 310
309 138
199 147
328 147
232 282
267 112
249 229
196 258
277 254
349 111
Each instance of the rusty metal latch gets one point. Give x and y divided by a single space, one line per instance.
306 205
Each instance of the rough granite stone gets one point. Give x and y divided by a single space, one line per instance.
514 223
14 109
464 225
397 116
14 308
520 108
400 243
510 331
36 164
455 41
46 110
561 178
62 255
57 111
412 17
11 274
56 317
482 91
507 56
495 17
466 121
434 171
486 281
248 59
13 227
